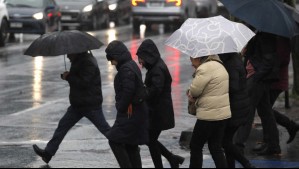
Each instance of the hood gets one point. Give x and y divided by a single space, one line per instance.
210 58
78 5
17 12
117 51
149 52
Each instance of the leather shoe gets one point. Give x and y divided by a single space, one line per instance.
176 161
270 152
46 157
293 132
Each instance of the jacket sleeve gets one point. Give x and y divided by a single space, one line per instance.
157 81
85 76
199 83
267 52
266 68
128 79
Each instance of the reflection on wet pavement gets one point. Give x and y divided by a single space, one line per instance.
37 80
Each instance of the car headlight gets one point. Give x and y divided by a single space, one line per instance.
112 7
38 16
88 8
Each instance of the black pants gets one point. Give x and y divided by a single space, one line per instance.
71 118
127 156
260 100
232 152
280 118
157 149
213 133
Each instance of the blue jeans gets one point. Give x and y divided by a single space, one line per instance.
69 120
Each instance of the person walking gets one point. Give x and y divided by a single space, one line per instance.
240 107
131 126
86 100
210 93
284 53
159 100
262 66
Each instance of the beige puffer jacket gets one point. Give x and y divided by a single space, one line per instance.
211 88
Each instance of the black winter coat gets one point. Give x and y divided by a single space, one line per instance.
238 91
127 130
85 83
262 53
158 84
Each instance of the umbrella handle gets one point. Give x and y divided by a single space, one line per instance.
65 64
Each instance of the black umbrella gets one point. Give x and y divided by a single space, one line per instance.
62 43
270 16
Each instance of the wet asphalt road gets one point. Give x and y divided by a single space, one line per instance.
33 98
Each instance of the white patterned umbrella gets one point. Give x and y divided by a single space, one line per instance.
210 36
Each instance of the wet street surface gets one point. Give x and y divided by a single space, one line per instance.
33 98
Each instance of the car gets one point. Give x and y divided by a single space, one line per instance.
120 11
173 12
206 8
3 23
84 14
33 16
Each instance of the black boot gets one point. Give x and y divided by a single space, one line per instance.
176 161
293 131
43 154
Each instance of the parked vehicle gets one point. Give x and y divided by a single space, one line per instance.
120 11
3 23
81 14
162 11
33 16
206 8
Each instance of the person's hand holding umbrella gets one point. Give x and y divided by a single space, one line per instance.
65 75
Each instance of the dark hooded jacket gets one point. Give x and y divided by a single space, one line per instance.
158 84
238 92
85 83
127 130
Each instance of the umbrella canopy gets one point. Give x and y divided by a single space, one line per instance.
62 43
270 16
210 36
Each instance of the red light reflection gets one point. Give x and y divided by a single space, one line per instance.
173 62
